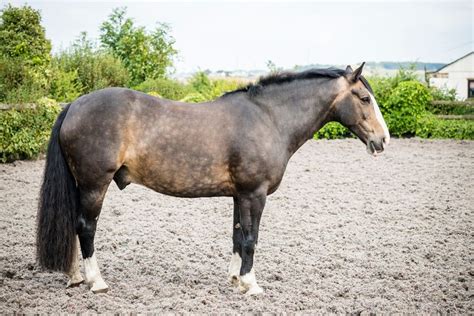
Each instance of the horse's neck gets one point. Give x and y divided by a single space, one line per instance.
299 109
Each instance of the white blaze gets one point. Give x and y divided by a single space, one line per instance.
380 119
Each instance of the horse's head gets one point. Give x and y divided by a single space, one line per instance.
355 107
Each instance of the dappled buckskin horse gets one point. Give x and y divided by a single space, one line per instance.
237 146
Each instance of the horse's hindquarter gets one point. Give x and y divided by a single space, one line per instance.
181 149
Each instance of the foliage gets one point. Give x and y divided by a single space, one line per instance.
84 68
194 97
22 36
65 85
332 130
24 133
24 55
145 54
206 89
443 94
20 83
167 88
430 126
201 83
451 108
154 94
384 86
405 106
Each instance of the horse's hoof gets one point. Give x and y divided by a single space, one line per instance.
255 290
74 283
99 287
234 280
247 289
251 291
98 291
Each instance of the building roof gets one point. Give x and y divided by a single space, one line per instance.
453 62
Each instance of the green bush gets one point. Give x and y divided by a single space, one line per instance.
19 83
451 107
194 97
24 55
211 89
24 133
84 68
429 126
221 86
443 94
166 88
332 130
405 106
22 36
65 85
382 87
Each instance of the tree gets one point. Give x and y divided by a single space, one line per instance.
84 68
146 55
25 54
22 36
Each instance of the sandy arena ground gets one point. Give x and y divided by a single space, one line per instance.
344 233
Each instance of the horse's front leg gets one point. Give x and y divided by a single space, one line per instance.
236 260
251 208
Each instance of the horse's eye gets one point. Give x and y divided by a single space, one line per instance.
365 99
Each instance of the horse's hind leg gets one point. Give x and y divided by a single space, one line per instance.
91 199
236 260
74 274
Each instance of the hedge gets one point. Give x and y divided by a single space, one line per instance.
433 127
24 133
451 107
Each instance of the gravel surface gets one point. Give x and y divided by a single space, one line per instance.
345 232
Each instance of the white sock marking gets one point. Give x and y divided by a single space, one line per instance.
91 269
92 275
235 264
248 284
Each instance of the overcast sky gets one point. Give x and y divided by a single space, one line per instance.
244 35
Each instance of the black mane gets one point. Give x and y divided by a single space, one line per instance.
285 77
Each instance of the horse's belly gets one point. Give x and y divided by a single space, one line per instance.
186 182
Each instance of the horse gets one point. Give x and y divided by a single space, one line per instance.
235 146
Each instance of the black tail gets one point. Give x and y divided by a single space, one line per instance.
56 230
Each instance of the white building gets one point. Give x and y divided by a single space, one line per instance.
458 75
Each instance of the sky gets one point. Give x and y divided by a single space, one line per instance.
231 35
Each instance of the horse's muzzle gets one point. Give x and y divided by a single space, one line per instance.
376 146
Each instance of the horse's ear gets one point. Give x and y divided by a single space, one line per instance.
354 77
349 69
